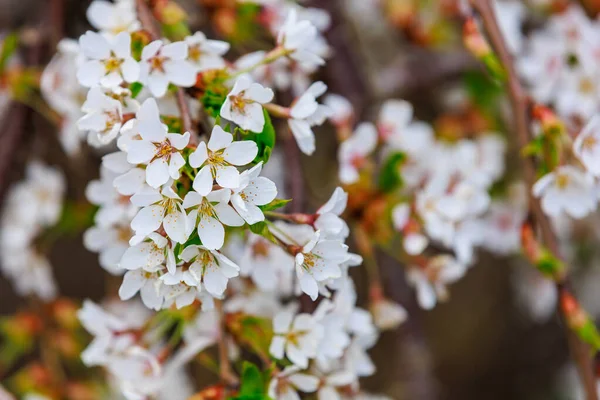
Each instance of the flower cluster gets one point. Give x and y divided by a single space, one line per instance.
33 206
442 186
186 215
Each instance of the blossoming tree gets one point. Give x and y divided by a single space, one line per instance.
198 214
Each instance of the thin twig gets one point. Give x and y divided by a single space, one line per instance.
520 106
148 23
226 372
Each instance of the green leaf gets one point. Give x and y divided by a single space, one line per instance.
265 140
275 204
136 88
9 46
483 91
175 32
252 380
389 177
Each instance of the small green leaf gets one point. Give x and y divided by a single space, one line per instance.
252 380
135 88
175 32
9 46
389 178
275 205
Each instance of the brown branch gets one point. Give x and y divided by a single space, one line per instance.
520 107
148 23
226 372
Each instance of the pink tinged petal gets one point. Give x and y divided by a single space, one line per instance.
90 73
141 152
215 282
199 156
211 233
175 164
179 141
181 73
227 215
241 153
176 50
259 93
277 347
133 281
175 226
130 70
295 355
157 173
94 45
203 182
219 139
147 220
151 49
228 176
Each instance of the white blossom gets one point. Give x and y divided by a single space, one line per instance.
568 190
166 63
305 113
218 160
253 191
160 150
353 152
296 337
113 17
243 104
206 54
211 212
108 61
318 261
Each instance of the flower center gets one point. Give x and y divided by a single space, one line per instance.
164 150
260 248
113 64
112 118
195 53
562 181
589 143
206 209
157 63
238 102
586 86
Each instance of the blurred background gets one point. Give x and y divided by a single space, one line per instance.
494 339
